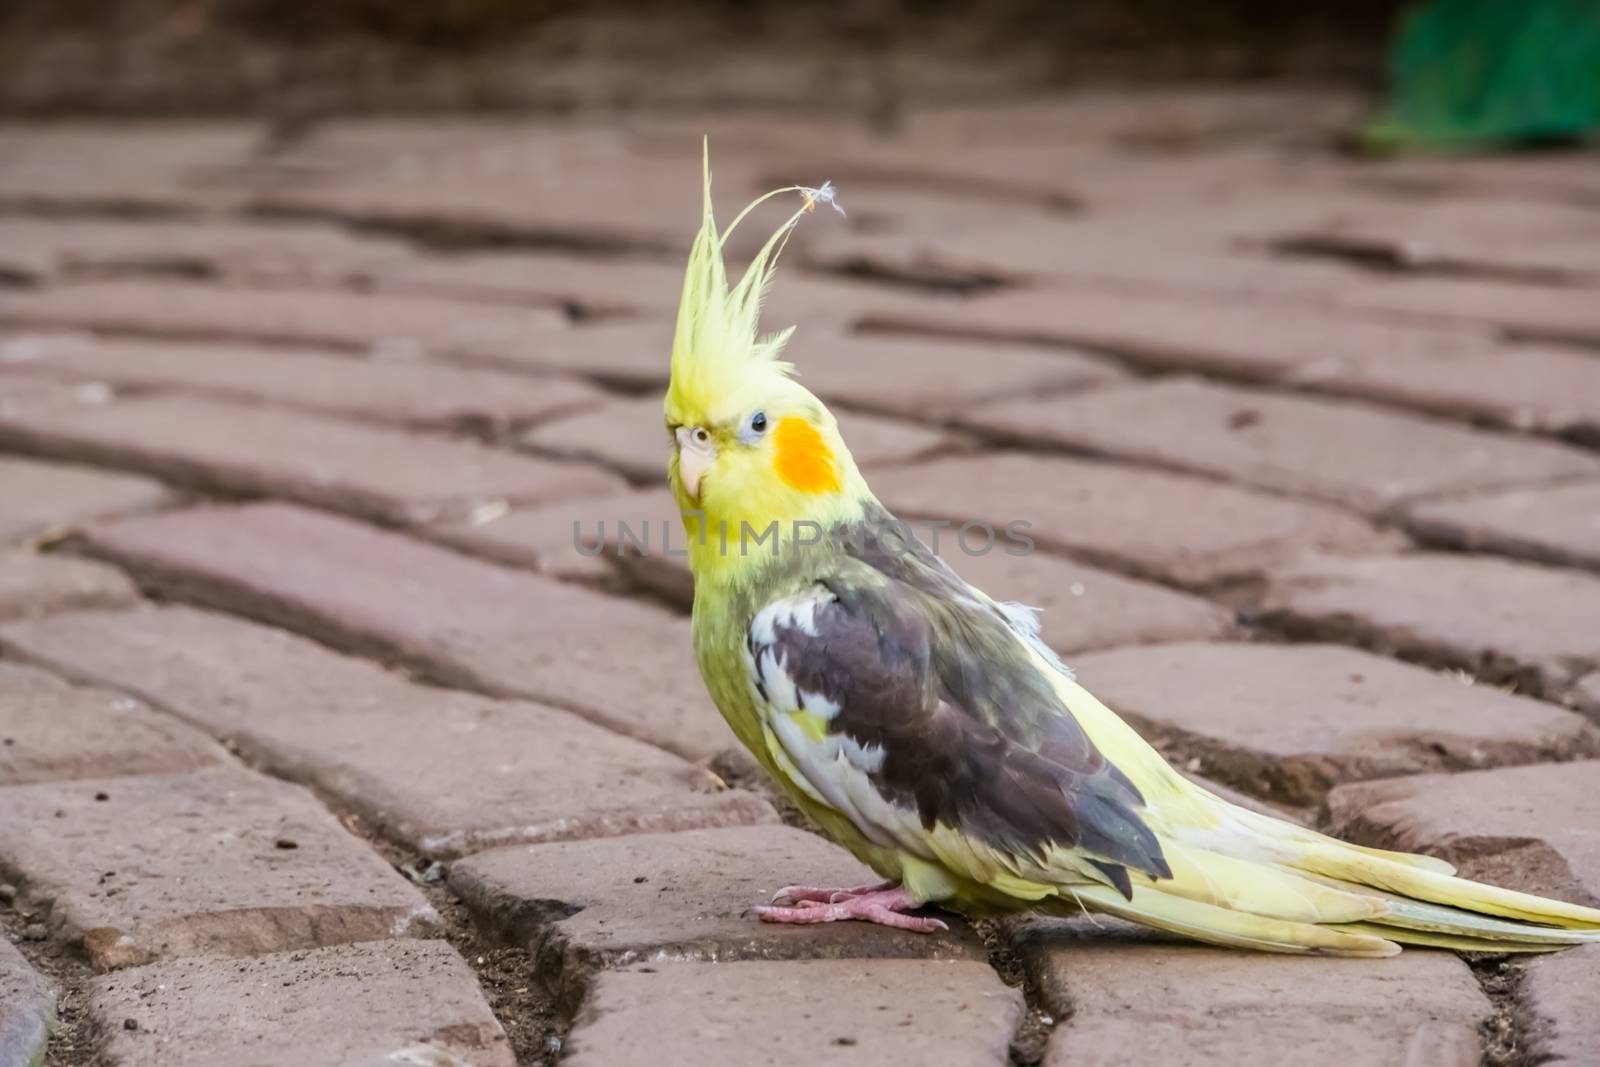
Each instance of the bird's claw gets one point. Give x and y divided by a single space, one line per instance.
873 904
805 894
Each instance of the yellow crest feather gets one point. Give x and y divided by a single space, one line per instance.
717 344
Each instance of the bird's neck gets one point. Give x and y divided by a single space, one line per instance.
732 551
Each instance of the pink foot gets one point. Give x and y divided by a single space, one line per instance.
875 905
797 894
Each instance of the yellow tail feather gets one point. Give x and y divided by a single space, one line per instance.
1347 865
1405 859
1422 917
1233 929
1258 889
1454 942
1264 884
1279 831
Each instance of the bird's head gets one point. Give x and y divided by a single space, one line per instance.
755 454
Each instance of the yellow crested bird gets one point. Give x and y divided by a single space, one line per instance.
928 729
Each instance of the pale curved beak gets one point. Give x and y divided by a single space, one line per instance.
694 459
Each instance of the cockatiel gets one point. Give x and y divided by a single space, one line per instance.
930 731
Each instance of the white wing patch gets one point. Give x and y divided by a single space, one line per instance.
781 692
799 612
833 769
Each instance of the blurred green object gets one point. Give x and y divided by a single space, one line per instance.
1476 73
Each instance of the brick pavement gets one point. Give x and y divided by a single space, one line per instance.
1135 998
395 391
43 498
1555 525
1329 450
1171 528
385 1001
27 1008
843 1012
216 861
319 718
41 252
1341 726
31 584
1532 828
252 450
56 730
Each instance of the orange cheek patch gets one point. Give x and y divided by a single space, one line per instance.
803 459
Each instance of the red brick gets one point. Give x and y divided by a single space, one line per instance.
50 730
1558 525
643 540
37 585
601 288
278 253
861 1012
630 354
211 862
350 1006
1529 239
43 499
965 175
460 621
1216 337
1535 627
1167 123
1553 177
27 1010
405 148
1530 828
1586 695
887 200
383 474
112 163
596 288
1291 721
404 391
15 392
548 538
1171 527
1530 311
1564 261
626 436
318 318
23 265
1127 997
20 394
685 896
823 305
927 379
1535 829
1543 388
1032 154
919 377
1332 450
1114 254
1556 1006
442 772
610 192
630 437
602 195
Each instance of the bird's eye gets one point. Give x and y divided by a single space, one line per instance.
758 422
